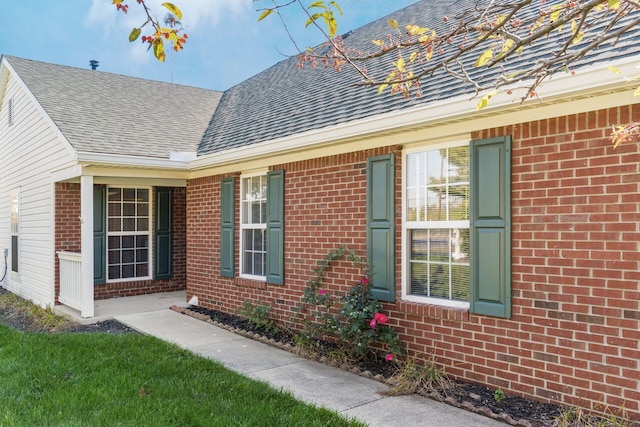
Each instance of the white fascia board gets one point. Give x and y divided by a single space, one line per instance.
589 81
118 160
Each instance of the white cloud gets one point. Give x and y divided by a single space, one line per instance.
196 13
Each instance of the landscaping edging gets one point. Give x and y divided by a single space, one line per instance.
465 405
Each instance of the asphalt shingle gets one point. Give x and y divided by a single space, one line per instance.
284 100
108 113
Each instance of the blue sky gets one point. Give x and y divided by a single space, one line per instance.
226 42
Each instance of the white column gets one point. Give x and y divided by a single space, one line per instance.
86 214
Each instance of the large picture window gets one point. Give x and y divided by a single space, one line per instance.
253 225
128 233
437 223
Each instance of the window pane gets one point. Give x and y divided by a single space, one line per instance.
436 204
114 242
129 194
439 280
419 247
114 209
143 195
439 245
128 209
114 272
459 202
460 281
142 241
459 164
115 194
127 242
143 209
114 257
128 224
142 255
143 224
142 270
128 271
127 256
419 279
114 224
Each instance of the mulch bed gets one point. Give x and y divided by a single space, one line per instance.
473 397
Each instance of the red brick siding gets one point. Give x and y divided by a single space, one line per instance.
66 223
574 336
67 232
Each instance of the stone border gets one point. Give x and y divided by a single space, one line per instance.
466 405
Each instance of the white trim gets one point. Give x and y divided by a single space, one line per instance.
86 242
132 161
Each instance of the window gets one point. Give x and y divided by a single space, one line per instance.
457 226
15 228
261 227
128 233
437 223
253 226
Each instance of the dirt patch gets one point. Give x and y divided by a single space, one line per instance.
16 317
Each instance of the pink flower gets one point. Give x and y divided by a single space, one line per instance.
364 280
378 318
389 357
320 291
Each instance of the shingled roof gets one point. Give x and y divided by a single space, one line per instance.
106 113
284 100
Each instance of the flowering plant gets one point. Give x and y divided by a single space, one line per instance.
354 320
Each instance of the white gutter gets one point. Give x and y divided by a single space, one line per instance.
120 160
588 81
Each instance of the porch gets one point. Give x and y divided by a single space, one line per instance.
110 308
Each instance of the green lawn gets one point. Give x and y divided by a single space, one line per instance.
92 379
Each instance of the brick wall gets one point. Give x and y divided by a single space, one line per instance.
574 336
67 232
67 223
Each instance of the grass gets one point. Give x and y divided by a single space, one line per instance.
40 318
95 379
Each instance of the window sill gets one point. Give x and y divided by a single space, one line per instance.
434 311
251 283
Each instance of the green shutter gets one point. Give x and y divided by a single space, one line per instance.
99 234
491 226
163 232
275 227
227 226
381 225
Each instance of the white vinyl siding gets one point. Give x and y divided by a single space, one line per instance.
30 150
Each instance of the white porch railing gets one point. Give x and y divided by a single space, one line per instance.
70 279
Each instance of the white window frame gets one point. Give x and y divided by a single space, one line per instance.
407 226
251 226
148 233
14 211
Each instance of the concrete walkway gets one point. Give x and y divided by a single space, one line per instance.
310 381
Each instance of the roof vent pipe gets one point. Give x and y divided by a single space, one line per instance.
94 64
